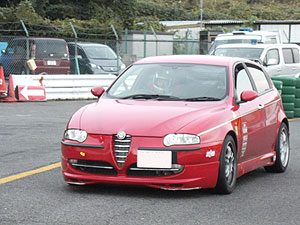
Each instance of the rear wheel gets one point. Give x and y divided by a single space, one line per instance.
282 148
228 167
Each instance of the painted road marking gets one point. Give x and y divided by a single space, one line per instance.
29 173
294 119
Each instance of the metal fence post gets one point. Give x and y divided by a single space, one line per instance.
145 43
27 44
126 41
156 49
76 52
117 47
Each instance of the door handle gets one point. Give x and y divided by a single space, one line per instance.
278 70
261 106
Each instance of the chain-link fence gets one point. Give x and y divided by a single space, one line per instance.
74 50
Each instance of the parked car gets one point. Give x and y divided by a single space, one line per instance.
3 46
246 36
277 59
94 58
50 55
179 122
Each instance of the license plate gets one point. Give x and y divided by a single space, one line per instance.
154 159
51 63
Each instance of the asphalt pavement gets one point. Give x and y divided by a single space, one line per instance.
30 135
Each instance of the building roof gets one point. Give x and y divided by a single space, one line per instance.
196 23
277 22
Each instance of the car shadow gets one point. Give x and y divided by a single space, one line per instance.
244 182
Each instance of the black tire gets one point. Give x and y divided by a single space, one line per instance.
288 106
287 81
289 90
288 98
282 148
228 167
278 84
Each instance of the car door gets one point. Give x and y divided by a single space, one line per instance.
252 118
268 106
291 61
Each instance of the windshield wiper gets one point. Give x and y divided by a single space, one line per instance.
151 96
195 99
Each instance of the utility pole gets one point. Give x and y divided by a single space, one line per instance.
201 14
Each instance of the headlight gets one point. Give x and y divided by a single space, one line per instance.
75 135
181 139
123 66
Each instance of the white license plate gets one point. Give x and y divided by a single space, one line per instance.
154 159
51 63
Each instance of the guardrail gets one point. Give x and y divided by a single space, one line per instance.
62 86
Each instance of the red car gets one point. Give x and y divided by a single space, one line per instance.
179 122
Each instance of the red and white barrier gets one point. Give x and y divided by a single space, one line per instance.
30 93
54 87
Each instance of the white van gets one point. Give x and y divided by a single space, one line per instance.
277 59
246 36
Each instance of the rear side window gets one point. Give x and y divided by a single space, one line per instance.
296 55
51 48
288 55
260 79
243 82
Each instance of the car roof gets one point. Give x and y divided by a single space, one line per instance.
256 45
194 59
88 44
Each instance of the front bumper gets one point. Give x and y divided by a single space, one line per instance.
95 162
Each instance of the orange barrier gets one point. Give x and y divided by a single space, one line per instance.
3 92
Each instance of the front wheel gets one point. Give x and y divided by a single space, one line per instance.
282 148
228 167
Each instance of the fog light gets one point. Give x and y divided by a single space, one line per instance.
73 161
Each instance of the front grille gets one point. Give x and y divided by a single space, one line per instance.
134 171
93 166
121 149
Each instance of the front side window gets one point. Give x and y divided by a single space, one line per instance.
272 57
259 78
179 81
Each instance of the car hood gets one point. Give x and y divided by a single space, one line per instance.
142 117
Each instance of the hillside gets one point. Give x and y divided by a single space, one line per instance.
130 13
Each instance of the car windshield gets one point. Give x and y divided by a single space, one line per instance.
172 82
100 52
249 53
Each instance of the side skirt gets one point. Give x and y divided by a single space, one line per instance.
267 159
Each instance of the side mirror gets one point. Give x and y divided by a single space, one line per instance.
248 95
272 62
97 91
